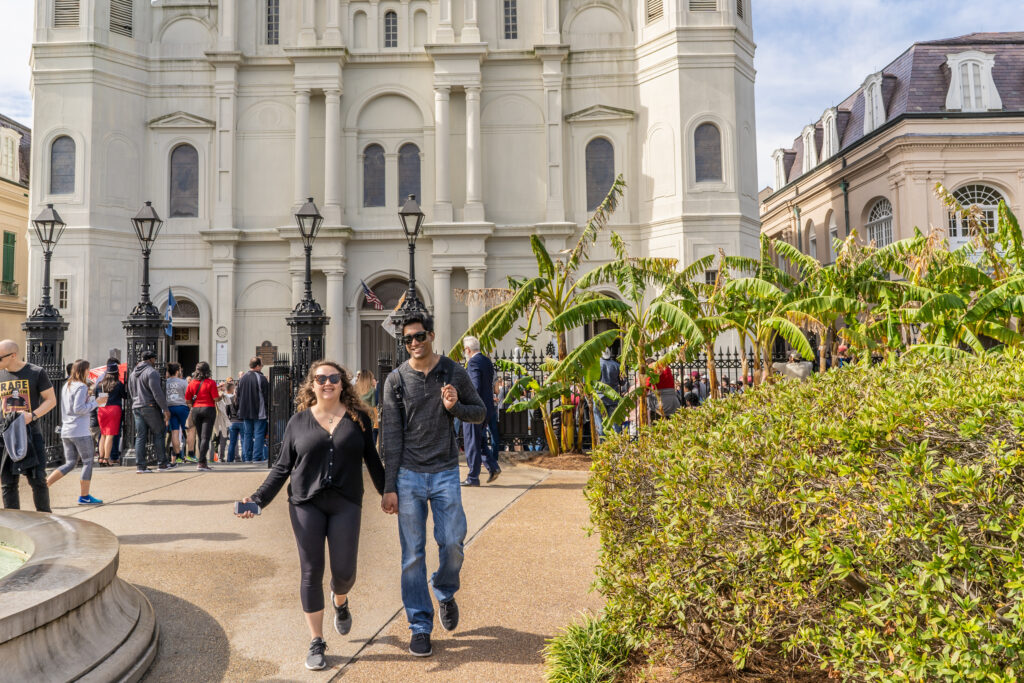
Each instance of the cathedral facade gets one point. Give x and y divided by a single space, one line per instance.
504 118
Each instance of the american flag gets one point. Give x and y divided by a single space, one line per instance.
371 297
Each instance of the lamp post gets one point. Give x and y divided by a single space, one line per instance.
412 220
144 324
44 329
307 320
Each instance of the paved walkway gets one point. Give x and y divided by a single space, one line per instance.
225 590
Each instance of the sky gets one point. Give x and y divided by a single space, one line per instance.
811 54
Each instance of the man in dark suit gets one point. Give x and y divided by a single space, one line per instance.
481 374
252 397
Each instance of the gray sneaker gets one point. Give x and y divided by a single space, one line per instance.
342 617
315 660
420 645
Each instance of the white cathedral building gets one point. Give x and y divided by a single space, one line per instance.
506 118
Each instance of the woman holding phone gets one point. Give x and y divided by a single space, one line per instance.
324 446
75 406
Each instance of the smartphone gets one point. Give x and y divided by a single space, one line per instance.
247 507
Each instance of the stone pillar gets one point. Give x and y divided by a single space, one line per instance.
474 162
443 308
373 26
442 179
302 190
335 346
552 34
477 280
470 29
226 91
352 359
298 286
226 24
307 30
553 82
404 27
391 180
333 181
445 33
353 159
332 34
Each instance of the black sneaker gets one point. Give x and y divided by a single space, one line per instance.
420 645
449 614
315 660
493 476
342 617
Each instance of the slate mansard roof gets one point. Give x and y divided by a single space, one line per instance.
24 151
917 82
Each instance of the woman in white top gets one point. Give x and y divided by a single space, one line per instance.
75 406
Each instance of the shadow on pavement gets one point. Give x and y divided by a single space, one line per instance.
193 646
494 644
145 539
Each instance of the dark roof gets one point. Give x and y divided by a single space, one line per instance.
917 82
24 153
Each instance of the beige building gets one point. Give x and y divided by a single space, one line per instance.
14 157
946 111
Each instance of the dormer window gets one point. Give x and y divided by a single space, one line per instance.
779 157
810 149
874 108
971 87
830 139
10 166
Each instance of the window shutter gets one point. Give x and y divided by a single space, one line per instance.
121 17
65 13
655 10
8 271
703 5
739 8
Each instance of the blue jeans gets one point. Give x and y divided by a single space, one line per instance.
444 495
254 432
234 434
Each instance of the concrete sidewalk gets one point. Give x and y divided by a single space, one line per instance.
225 590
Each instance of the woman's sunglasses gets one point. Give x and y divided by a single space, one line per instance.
418 336
324 379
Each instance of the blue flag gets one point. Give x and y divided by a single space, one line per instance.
171 303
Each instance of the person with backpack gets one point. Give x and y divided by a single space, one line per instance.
420 400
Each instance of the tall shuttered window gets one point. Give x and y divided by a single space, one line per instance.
8 268
655 10
373 176
60 293
408 172
703 5
121 17
511 16
739 8
600 162
391 29
273 22
184 191
62 166
65 13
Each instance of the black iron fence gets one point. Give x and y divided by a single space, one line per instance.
282 406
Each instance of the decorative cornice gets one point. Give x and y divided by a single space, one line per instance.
180 120
600 112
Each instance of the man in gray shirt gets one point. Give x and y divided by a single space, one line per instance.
149 407
421 466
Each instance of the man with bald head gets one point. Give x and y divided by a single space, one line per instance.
25 388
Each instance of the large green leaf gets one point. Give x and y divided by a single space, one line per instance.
493 325
545 266
793 335
753 287
585 312
938 307
995 299
583 356
679 321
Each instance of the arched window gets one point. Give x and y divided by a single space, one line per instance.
62 166
408 172
390 29
359 30
985 198
879 227
600 162
184 182
373 176
419 29
707 153
812 240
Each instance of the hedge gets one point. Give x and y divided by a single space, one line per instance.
866 523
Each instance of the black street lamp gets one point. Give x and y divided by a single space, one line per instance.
307 321
44 329
412 220
144 324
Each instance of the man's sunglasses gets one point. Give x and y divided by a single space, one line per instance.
418 336
324 379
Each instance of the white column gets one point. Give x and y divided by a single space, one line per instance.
553 82
442 142
374 30
334 344
477 280
552 34
298 286
333 181
301 146
474 162
307 30
332 34
391 197
226 89
445 33
470 29
404 27
443 308
353 157
351 359
226 25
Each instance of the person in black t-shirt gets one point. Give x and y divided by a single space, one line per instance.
324 446
25 388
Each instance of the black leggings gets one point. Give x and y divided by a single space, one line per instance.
203 419
331 516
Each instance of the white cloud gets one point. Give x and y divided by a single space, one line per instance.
15 46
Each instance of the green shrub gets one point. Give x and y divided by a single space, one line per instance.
867 522
586 651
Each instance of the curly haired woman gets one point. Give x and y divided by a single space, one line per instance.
323 447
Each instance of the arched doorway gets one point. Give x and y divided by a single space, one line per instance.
184 342
374 340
